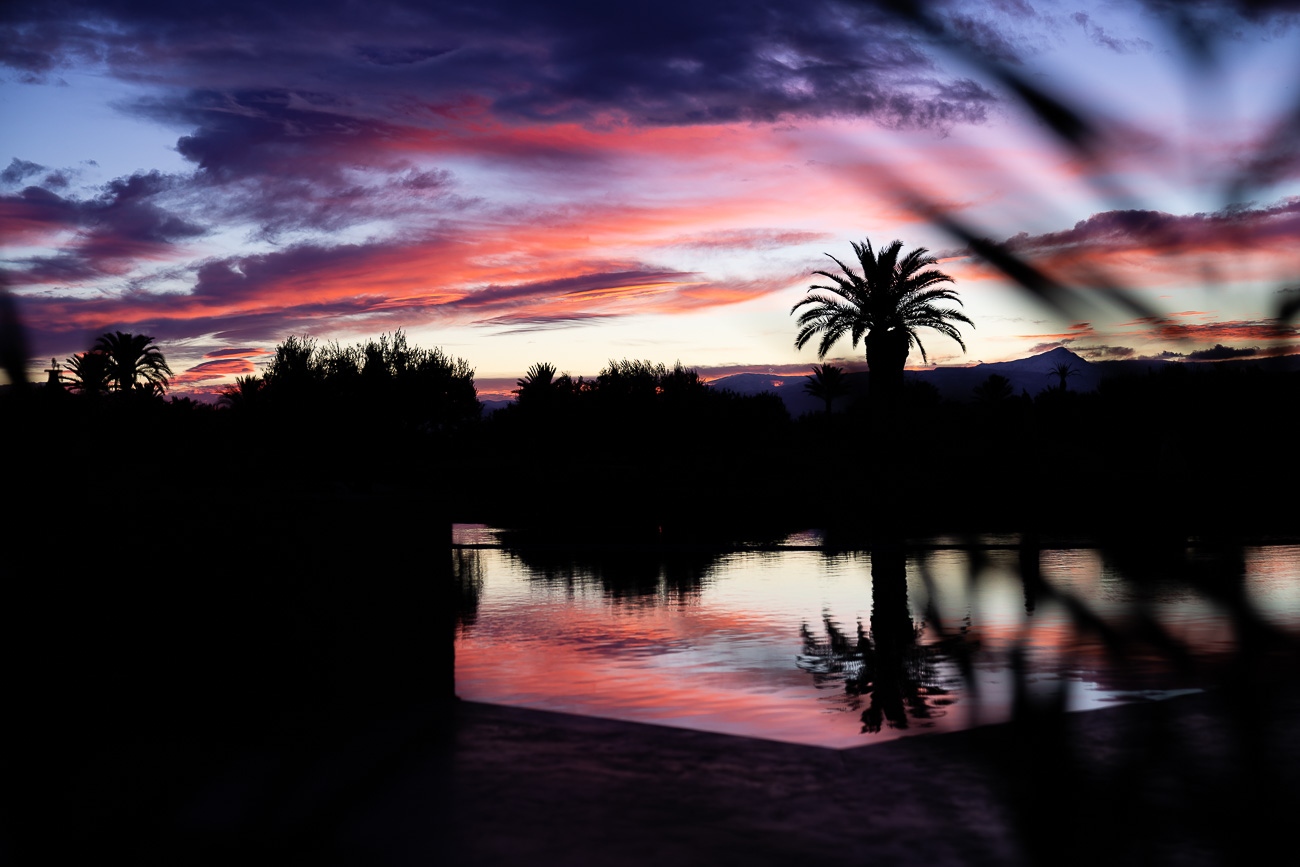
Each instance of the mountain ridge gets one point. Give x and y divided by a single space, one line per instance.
1031 375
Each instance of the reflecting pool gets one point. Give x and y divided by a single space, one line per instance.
839 649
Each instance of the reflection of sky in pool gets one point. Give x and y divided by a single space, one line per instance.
716 644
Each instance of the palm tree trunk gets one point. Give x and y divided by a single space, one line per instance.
886 357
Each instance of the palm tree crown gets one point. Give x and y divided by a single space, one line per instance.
1063 370
90 373
826 383
539 378
891 296
133 357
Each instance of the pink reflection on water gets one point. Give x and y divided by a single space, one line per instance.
726 656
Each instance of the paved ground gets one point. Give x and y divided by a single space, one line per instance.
1184 781
555 789
1151 783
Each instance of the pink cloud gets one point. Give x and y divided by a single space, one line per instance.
244 352
210 370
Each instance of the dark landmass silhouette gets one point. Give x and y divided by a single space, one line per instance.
1025 374
1125 448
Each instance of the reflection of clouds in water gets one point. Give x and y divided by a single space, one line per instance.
1273 584
473 534
806 538
734 659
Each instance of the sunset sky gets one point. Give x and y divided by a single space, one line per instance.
573 182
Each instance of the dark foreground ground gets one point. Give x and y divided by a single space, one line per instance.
515 786
479 784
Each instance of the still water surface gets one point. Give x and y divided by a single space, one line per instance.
804 645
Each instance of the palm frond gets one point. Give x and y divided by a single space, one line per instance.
894 291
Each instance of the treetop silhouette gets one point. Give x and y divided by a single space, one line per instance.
993 390
384 376
89 373
133 361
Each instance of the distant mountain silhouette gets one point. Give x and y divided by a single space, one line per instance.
957 383
789 389
1031 374
491 406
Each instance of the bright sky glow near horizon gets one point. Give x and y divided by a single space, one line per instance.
581 182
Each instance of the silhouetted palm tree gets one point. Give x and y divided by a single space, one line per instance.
243 394
132 358
90 373
538 382
883 307
826 383
1062 370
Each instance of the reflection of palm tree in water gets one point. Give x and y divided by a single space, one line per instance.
893 667
888 663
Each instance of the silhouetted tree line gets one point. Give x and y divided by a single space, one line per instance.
656 450
390 382
1181 449
642 444
381 415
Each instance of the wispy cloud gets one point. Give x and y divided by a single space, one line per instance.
213 370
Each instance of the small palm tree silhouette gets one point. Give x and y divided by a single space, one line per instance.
826 383
1063 370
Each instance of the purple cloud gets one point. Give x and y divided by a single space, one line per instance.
1221 353
1227 228
680 62
122 224
19 170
